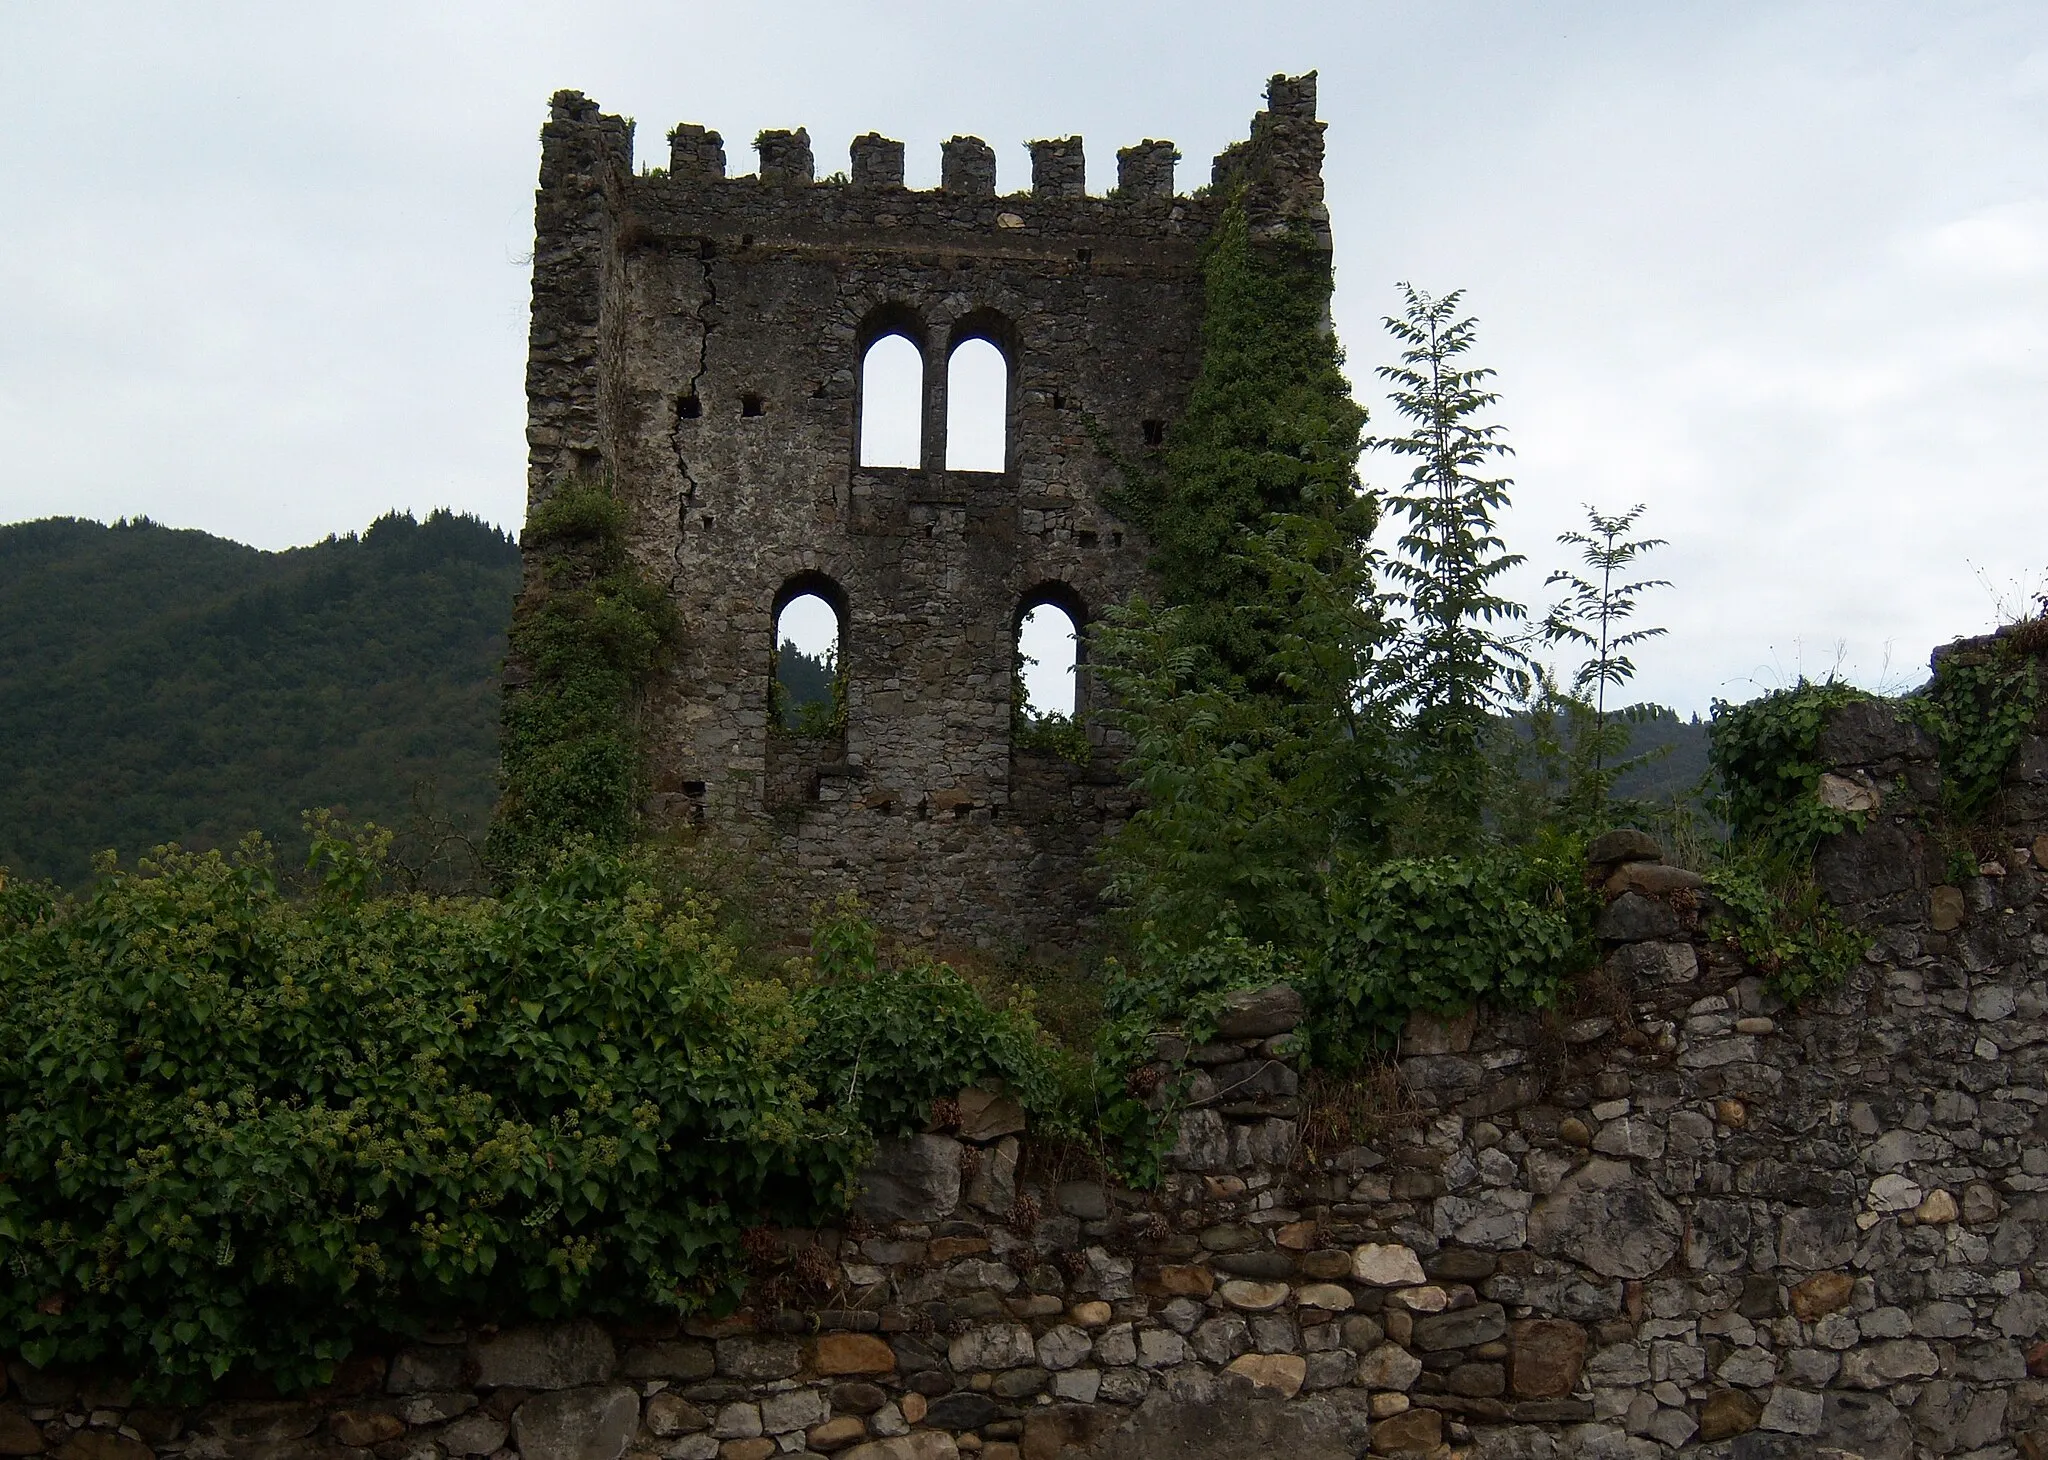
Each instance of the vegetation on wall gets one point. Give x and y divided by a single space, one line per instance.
1239 691
586 637
242 1126
1438 935
1979 705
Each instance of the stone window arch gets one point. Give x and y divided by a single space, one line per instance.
807 658
980 374
890 395
1050 642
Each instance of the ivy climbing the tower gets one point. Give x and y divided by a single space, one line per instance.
589 635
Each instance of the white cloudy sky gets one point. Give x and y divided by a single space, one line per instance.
1778 270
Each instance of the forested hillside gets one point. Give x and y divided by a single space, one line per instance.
161 685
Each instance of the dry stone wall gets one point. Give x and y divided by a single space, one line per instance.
1680 1218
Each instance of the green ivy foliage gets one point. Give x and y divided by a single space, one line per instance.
1168 987
242 1127
1783 925
1979 706
1269 428
1441 934
1767 756
588 634
886 1041
1239 692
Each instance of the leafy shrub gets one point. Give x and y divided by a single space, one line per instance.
1783 925
240 1128
1767 754
1055 734
885 1042
1978 707
1440 934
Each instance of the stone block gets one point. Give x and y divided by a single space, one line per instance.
1416 1432
1387 1265
984 1115
994 1346
1283 1373
1625 844
669 1414
1726 1413
561 1356
792 1409
1461 1327
593 1423
1609 1218
913 1180
1634 918
1259 1013
835 1354
1545 1356
1389 1367
758 1358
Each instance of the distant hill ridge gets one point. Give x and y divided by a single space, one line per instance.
161 684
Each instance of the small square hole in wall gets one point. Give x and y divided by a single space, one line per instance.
1155 433
750 405
689 408
1083 255
1059 401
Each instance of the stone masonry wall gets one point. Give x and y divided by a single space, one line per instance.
697 339
1678 1218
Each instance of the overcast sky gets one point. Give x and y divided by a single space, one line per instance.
1778 270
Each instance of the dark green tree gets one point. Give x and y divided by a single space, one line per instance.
1240 693
1460 658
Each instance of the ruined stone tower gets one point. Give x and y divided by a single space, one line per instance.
698 340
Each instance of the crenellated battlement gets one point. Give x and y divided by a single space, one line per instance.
1282 157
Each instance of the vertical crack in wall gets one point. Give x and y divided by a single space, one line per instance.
707 302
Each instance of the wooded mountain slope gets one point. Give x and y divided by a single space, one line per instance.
160 685
165 685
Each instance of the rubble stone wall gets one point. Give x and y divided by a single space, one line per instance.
1679 1218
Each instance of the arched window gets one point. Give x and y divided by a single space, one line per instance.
977 407
891 403
808 692
1048 663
